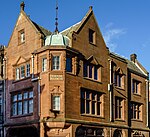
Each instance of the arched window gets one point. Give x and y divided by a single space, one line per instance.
117 133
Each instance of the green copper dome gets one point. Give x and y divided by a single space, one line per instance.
57 39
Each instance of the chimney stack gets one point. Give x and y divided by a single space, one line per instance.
133 57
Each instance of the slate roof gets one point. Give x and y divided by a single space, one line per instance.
68 32
42 30
131 65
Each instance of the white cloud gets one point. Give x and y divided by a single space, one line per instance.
110 34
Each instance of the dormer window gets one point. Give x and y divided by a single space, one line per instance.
22 71
119 78
21 36
92 36
92 69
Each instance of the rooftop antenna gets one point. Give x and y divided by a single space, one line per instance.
56 19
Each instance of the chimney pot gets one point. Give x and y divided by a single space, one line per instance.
133 57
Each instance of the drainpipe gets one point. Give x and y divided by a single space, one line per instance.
4 86
147 102
32 59
110 89
39 96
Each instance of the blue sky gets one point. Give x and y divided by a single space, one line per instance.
125 24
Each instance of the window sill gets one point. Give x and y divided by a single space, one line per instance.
94 44
119 119
21 43
137 120
136 94
70 73
92 80
20 116
90 115
18 80
119 87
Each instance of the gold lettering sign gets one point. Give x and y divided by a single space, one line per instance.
56 77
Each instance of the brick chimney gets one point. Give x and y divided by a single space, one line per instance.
133 57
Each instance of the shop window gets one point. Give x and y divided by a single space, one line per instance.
91 102
56 63
22 103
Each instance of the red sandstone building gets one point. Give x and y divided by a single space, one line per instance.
69 84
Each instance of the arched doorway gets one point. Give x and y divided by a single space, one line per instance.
23 132
117 133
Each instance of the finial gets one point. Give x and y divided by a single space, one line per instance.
22 5
56 19
91 7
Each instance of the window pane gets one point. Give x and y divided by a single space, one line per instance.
25 107
87 106
17 73
69 64
44 64
28 70
90 71
14 109
82 106
93 107
19 108
22 71
30 106
56 102
95 73
25 95
19 96
31 94
14 98
56 63
85 69
22 37
98 108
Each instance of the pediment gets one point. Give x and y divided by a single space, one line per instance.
21 60
93 60
56 89
119 70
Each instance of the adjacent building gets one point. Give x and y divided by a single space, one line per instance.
1 91
69 84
